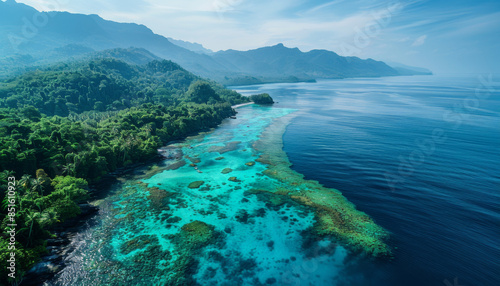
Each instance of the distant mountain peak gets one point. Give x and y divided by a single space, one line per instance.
73 35
282 46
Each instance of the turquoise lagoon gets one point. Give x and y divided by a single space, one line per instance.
209 215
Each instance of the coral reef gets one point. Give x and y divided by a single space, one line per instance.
196 184
335 215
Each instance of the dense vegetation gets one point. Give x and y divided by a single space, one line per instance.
66 126
263 98
102 85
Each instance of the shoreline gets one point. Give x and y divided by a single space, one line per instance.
51 264
241 105
58 247
273 193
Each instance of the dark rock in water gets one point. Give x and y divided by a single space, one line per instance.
195 185
56 241
244 200
260 212
270 244
234 179
246 265
227 229
176 165
174 219
227 171
87 209
219 158
215 256
51 248
53 258
210 273
271 281
242 216
293 258
205 189
42 271
250 163
139 242
193 160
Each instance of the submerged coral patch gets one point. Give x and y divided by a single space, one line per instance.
196 184
228 147
176 165
243 219
335 215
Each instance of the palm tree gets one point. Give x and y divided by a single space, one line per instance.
48 217
68 169
25 181
31 216
37 185
7 174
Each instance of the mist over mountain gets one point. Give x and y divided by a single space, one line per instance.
194 47
31 38
408 70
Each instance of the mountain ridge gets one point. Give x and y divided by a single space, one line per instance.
93 33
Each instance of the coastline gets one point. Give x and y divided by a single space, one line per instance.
335 215
242 105
163 195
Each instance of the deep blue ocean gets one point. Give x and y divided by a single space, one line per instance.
421 155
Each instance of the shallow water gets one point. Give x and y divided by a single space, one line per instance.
192 223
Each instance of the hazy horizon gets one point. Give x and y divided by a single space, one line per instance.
443 36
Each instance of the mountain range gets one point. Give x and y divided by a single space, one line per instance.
32 38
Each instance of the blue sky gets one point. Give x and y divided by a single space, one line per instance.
445 36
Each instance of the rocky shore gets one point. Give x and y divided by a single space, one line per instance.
60 246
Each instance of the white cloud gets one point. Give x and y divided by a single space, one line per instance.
323 6
419 41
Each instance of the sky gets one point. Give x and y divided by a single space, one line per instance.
446 36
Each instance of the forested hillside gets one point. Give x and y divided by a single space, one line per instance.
100 85
67 36
67 125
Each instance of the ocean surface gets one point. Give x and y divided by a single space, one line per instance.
420 155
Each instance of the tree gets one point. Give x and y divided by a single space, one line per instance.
37 185
262 98
25 181
31 113
201 92
31 217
